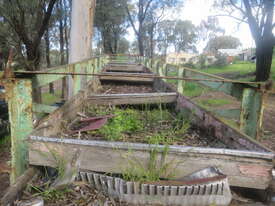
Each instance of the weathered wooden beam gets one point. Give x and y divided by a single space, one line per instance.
134 98
180 82
125 68
228 113
19 97
115 76
243 168
251 112
42 108
17 188
52 124
210 123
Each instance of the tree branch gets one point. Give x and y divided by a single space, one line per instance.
131 20
236 7
45 22
254 27
236 18
147 7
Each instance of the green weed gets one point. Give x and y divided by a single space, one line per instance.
124 121
50 194
49 99
156 168
4 141
192 89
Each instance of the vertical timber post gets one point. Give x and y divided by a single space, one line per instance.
251 112
180 82
82 16
19 97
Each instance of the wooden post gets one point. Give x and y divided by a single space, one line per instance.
81 35
180 82
251 112
19 97
166 69
77 79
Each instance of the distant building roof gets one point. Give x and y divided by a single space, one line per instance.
231 52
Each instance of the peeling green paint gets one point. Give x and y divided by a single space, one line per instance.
20 116
251 111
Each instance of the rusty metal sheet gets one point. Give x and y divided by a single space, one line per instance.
97 124
97 118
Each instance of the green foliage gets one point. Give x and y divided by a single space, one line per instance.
49 99
160 138
124 121
222 42
156 168
5 142
238 67
192 89
221 61
182 35
50 194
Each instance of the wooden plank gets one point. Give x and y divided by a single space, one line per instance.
134 98
42 80
115 76
52 124
42 108
124 68
113 157
251 112
17 188
228 113
211 123
19 97
180 82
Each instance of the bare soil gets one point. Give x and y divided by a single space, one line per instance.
82 194
126 88
165 128
4 168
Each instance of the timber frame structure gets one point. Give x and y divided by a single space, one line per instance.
247 163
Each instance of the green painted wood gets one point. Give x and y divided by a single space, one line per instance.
232 89
251 112
19 95
77 79
228 113
42 79
180 82
42 108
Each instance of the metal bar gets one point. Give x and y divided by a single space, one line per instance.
139 75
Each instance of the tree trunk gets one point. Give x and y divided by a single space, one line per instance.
33 57
81 34
61 44
140 45
264 52
48 60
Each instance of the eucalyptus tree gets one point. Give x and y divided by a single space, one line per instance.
222 42
111 22
259 15
28 19
140 12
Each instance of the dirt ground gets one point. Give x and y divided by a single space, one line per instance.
268 124
4 168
